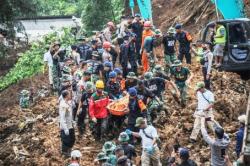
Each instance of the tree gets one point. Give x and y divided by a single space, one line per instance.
97 13
11 10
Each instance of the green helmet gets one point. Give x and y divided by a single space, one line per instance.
108 146
101 156
177 63
158 68
171 30
158 32
89 86
148 75
66 78
131 75
123 137
66 69
25 93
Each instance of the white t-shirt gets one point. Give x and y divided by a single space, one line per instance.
150 131
48 58
202 102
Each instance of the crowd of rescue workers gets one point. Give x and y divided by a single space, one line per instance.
136 60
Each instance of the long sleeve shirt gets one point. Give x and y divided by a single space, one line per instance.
65 115
208 55
239 140
218 147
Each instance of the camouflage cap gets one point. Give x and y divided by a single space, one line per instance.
89 86
131 75
148 75
66 69
123 137
108 146
101 156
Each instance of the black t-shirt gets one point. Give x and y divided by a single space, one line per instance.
137 28
156 85
113 89
144 94
129 150
85 99
130 84
94 66
169 44
82 50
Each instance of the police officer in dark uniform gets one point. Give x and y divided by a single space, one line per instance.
127 55
137 28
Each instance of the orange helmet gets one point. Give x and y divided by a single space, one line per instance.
111 24
106 45
147 24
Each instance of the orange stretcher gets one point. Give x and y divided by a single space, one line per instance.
119 107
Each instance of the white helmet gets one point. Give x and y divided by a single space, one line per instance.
76 154
242 119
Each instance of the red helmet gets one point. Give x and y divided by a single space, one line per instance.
106 45
147 24
111 24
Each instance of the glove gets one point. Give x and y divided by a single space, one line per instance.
66 131
151 150
129 132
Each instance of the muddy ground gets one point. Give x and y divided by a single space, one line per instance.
31 137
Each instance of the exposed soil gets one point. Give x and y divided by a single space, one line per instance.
31 137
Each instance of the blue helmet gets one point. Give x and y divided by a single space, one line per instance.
178 26
108 64
118 71
112 74
132 92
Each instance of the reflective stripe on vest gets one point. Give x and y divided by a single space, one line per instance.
220 40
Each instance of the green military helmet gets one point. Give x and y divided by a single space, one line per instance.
66 78
176 63
89 86
158 68
66 69
148 75
123 137
158 32
108 147
171 30
25 92
131 75
101 156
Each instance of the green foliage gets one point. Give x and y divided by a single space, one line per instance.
31 62
97 13
59 7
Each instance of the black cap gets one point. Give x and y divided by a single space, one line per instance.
219 132
122 160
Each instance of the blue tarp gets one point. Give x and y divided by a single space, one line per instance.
145 8
230 9
131 3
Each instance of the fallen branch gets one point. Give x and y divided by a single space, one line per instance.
204 10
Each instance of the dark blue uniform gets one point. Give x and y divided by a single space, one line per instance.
127 55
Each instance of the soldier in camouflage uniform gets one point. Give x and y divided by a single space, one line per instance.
24 100
182 77
55 68
109 148
95 67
